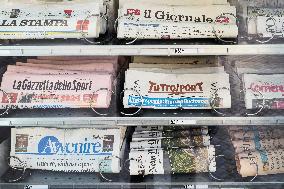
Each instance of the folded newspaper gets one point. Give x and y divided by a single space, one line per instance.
261 65
48 91
184 60
269 27
60 84
172 161
168 143
188 69
265 22
199 130
218 14
143 135
41 70
176 20
172 91
173 30
258 150
258 144
260 162
236 128
68 150
264 90
39 20
173 67
93 66
76 58
258 134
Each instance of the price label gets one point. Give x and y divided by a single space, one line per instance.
178 50
196 186
36 187
183 122
184 51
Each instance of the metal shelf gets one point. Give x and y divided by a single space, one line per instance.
155 185
134 121
38 49
86 117
226 171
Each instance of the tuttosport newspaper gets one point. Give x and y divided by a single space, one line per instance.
172 91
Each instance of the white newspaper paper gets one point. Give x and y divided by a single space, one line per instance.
202 140
142 128
51 20
253 14
146 162
267 90
270 26
171 30
69 150
219 14
172 91
143 135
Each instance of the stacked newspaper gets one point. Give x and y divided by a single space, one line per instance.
176 19
263 18
259 150
109 13
59 82
54 19
259 64
68 150
264 90
189 83
162 150
262 82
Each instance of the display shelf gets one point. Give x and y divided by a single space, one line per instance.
159 185
12 51
89 181
85 117
39 49
236 115
226 171
75 122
